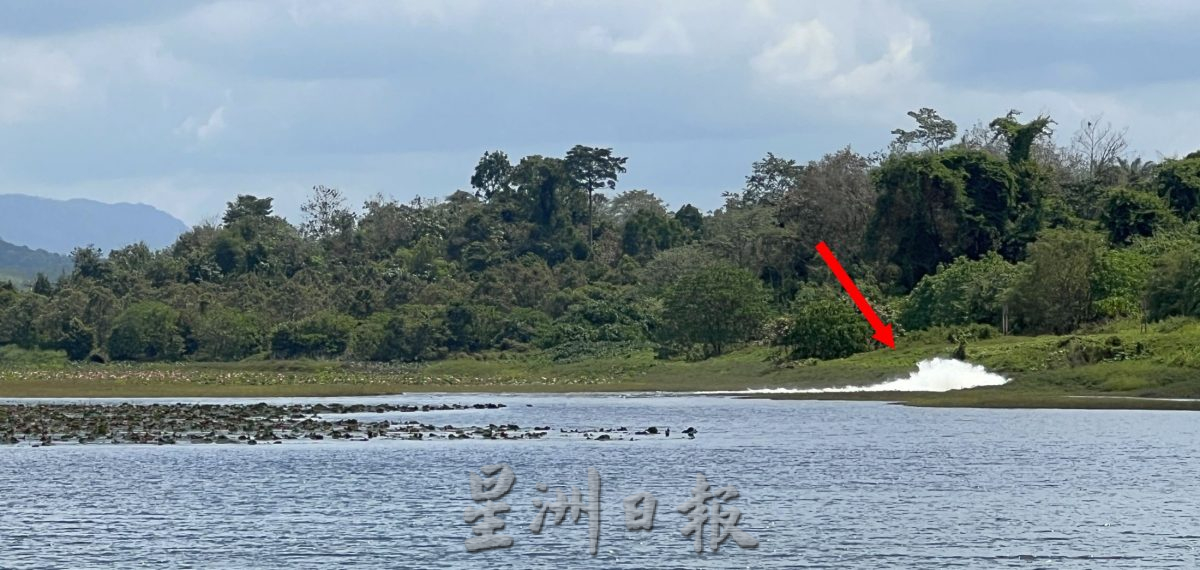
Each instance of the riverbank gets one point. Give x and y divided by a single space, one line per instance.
1144 368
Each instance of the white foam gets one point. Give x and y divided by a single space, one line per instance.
933 375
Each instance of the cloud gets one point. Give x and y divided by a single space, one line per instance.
813 57
34 78
337 93
805 55
665 36
204 129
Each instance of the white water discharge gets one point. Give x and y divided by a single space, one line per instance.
933 375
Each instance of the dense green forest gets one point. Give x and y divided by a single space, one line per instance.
1000 226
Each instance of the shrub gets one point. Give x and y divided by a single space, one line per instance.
146 331
823 327
324 335
962 292
222 333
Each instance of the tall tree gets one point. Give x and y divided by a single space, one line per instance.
492 174
592 169
326 214
932 131
1097 145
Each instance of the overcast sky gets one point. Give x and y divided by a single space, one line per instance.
183 105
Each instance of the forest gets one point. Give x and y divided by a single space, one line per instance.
1000 228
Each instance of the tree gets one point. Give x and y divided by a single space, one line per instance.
1174 285
648 232
1178 181
1020 137
935 207
326 214
42 286
769 181
1097 146
89 263
222 333
146 331
77 339
931 133
959 293
591 169
714 307
247 207
690 218
1055 292
625 205
1129 213
324 335
492 174
833 201
823 326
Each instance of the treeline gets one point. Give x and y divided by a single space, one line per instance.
997 226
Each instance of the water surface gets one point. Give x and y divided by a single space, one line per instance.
823 485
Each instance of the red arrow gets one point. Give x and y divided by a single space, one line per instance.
883 333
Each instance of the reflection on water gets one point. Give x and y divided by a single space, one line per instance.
822 484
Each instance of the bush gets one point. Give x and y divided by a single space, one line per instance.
1055 292
1174 285
324 335
823 327
965 291
414 333
146 331
226 334
1127 214
1119 283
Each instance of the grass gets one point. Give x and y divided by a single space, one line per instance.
1122 361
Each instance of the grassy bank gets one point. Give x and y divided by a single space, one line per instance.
1161 361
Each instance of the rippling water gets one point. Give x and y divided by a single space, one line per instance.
823 485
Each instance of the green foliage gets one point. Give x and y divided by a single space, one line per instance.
1020 136
1120 281
1178 181
1174 285
413 333
647 233
714 307
520 265
935 207
931 133
12 356
822 325
222 333
690 218
324 335
1130 213
77 339
1055 292
965 291
146 331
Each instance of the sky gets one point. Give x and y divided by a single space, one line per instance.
184 105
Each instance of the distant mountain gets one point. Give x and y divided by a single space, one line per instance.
60 226
21 264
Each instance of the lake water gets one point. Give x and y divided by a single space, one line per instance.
822 485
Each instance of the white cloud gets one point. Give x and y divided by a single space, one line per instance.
804 55
204 130
824 56
33 78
